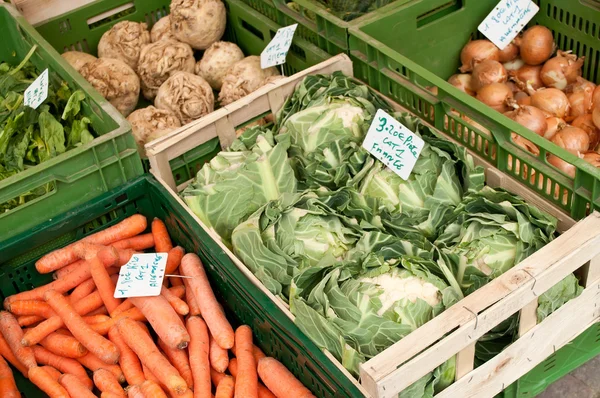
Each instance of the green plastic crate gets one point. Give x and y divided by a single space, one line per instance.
82 28
405 52
244 303
81 173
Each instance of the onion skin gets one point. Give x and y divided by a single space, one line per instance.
477 51
488 72
596 97
525 144
463 82
495 96
551 100
562 70
531 118
536 45
581 103
586 123
527 76
596 116
592 158
554 124
515 64
563 166
510 53
572 139
581 84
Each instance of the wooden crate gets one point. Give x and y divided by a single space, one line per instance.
455 331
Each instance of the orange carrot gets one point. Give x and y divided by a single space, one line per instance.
83 290
53 372
12 332
106 381
151 389
216 377
29 320
8 386
135 392
75 387
246 381
280 380
30 307
98 311
127 228
125 255
162 240
64 365
190 299
178 304
140 242
198 350
164 320
137 339
124 306
65 346
219 359
174 280
179 359
7 353
148 374
263 392
101 278
110 394
67 269
174 259
83 306
225 388
94 363
209 307
256 352
96 319
129 362
104 327
95 343
46 383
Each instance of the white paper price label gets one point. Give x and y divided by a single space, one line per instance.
142 275
393 144
37 92
276 51
506 20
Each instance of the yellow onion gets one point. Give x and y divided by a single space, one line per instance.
477 51
563 166
488 72
596 116
515 64
495 96
525 144
581 103
527 77
596 97
522 98
536 45
592 158
529 117
586 123
572 139
562 70
551 100
463 82
554 124
581 84
510 53
433 90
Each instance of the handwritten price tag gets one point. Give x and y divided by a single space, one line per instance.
142 276
393 144
276 51
37 92
506 20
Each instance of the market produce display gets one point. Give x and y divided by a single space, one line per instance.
179 67
72 338
538 89
363 257
28 136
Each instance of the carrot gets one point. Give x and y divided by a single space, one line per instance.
209 307
225 388
67 269
162 240
30 307
174 259
198 350
124 306
148 374
128 361
256 352
140 242
280 380
106 381
98 311
151 389
96 319
163 318
178 304
127 228
216 377
7 353
75 387
179 359
10 329
135 392
103 282
64 365
65 346
246 382
94 363
110 394
46 383
84 306
219 359
29 320
137 339
95 343
263 392
190 299
174 280
83 290
125 255
104 327
53 372
8 386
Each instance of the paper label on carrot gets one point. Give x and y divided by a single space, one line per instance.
142 276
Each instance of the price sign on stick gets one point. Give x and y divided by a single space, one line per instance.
393 144
37 92
276 51
506 20
142 276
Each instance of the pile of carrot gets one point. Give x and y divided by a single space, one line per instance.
72 337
